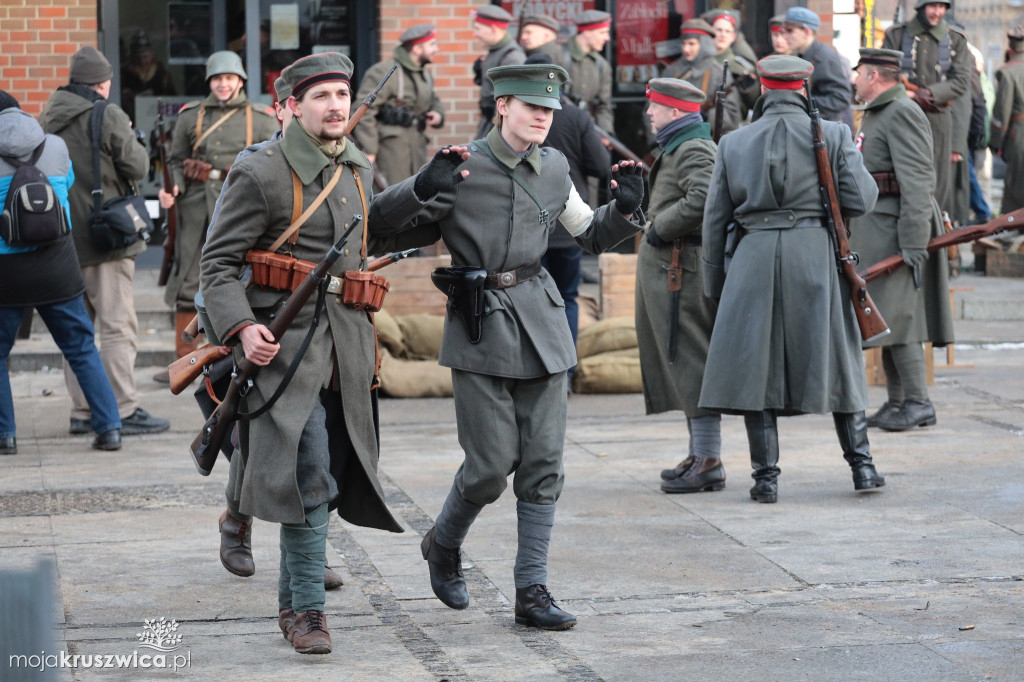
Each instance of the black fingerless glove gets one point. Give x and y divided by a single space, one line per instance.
654 240
629 193
440 174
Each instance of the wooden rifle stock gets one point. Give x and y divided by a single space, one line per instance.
185 369
1013 221
207 444
720 96
368 102
619 147
872 325
170 214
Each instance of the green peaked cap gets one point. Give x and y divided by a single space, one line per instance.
538 84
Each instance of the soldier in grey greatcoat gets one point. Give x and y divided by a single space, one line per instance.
895 140
1008 121
590 74
785 339
392 133
673 323
207 136
937 66
697 65
317 447
510 386
490 27
732 47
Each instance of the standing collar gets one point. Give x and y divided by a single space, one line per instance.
303 154
505 155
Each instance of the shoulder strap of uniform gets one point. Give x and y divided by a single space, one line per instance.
294 227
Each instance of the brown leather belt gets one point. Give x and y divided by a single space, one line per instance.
504 280
888 185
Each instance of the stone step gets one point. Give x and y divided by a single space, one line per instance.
155 348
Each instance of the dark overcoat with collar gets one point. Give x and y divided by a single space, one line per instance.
489 221
785 335
679 186
895 137
257 208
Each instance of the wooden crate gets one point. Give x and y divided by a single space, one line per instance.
617 273
411 289
876 374
999 263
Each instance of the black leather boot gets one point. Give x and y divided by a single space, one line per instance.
888 409
852 429
763 437
535 606
446 577
699 475
912 413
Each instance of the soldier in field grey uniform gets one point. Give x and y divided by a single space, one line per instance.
509 357
490 27
785 339
697 65
1008 121
672 359
392 131
895 139
590 74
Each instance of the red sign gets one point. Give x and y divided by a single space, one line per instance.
562 11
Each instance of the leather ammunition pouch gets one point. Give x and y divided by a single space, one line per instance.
196 170
888 185
359 289
397 116
464 287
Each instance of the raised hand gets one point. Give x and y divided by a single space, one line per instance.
628 186
441 173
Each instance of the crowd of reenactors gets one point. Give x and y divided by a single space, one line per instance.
741 305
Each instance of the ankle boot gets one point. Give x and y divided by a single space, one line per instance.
535 606
236 545
852 429
912 413
308 633
699 475
887 411
763 438
446 577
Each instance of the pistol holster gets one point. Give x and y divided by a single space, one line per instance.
464 287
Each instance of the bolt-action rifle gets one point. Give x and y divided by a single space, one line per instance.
872 325
170 214
720 96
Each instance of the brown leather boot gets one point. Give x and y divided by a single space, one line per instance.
236 545
286 621
332 580
308 633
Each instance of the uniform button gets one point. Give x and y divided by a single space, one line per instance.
344 200
270 152
346 252
792 217
765 220
345 226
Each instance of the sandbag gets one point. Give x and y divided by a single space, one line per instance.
589 312
616 333
421 335
414 378
612 372
389 333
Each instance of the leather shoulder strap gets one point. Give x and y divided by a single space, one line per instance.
294 227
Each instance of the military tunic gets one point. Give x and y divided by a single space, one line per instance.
502 53
706 74
400 149
489 221
895 137
748 94
196 200
785 336
679 184
257 208
923 66
1008 130
590 83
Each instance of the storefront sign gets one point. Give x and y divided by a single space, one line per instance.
562 11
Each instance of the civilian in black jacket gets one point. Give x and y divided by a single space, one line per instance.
572 133
830 83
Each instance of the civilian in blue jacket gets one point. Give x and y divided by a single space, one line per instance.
48 279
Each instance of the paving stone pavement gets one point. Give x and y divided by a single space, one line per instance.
921 581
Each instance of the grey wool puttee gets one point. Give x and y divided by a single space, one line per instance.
705 436
303 557
535 522
457 515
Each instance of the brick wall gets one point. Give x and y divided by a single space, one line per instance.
38 39
823 8
453 65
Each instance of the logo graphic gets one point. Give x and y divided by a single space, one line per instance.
160 635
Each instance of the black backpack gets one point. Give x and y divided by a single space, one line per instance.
32 213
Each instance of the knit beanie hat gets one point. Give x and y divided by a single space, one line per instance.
89 67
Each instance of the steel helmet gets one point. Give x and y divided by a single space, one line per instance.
922 3
224 61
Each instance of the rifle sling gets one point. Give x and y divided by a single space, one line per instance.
320 298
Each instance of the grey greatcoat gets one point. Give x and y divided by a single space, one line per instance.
679 186
1008 130
505 52
894 137
196 201
785 336
257 208
924 66
590 83
400 150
